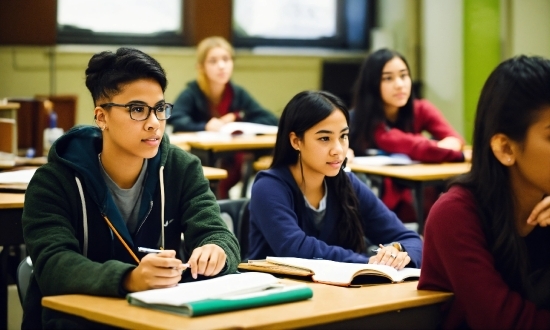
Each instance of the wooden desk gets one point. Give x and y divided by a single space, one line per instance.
211 173
11 234
263 163
9 111
417 177
208 150
374 307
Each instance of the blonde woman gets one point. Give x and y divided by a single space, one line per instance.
213 100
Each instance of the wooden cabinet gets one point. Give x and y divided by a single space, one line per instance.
33 118
8 128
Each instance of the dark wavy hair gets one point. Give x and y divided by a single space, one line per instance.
108 72
303 111
368 104
510 102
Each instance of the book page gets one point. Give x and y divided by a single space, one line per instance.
342 273
218 287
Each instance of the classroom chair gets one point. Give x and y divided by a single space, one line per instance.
237 210
24 273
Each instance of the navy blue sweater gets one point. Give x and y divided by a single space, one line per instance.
280 224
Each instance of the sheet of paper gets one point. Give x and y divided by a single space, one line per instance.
16 177
218 287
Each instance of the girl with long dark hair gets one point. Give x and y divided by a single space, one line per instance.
307 206
487 239
387 117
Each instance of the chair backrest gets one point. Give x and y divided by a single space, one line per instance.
237 210
24 273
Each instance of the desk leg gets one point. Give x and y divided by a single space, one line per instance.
418 191
206 156
4 286
248 167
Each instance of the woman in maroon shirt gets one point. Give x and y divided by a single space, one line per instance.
487 239
387 117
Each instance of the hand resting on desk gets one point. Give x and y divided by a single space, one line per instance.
390 256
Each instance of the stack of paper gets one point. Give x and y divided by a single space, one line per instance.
220 294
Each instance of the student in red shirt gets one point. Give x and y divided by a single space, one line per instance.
387 117
487 239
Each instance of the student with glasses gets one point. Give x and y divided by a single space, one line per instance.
110 189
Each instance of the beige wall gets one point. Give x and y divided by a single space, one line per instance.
271 78
528 27
442 58
427 32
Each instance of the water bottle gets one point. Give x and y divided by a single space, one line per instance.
51 133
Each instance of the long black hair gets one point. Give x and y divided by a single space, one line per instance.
300 114
368 104
510 103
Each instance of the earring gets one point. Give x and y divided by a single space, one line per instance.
102 128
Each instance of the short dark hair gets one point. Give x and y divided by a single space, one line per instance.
107 72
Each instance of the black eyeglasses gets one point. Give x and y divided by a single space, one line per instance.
138 111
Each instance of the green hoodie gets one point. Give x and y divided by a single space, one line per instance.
72 248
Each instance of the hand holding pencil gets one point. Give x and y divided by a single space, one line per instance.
155 270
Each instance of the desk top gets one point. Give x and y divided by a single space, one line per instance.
187 141
211 173
329 304
214 173
415 172
10 106
11 201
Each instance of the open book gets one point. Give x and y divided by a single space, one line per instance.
220 294
329 272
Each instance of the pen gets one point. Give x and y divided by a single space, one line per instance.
148 250
378 249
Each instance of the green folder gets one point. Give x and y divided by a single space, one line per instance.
212 306
227 293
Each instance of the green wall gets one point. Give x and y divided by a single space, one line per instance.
482 53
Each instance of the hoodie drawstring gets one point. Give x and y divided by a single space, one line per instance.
84 217
162 202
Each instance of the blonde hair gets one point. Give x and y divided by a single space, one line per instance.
202 51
